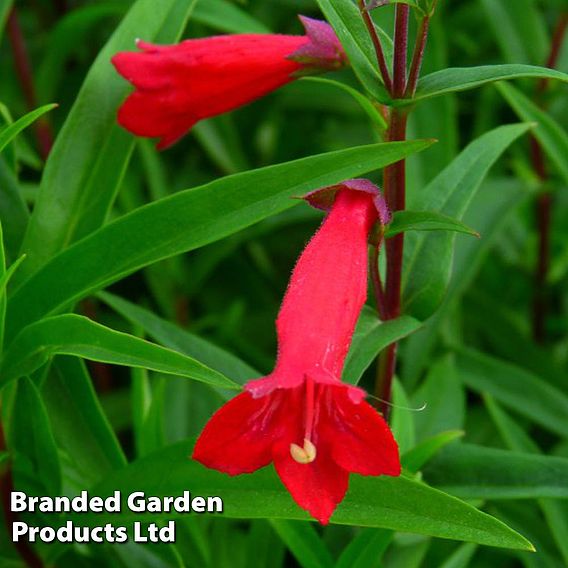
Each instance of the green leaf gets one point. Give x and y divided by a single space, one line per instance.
70 334
443 395
476 472
384 502
176 338
353 35
555 511
552 137
402 419
538 400
13 210
371 336
5 276
365 550
370 109
36 462
9 132
520 30
68 31
413 460
79 423
91 152
464 78
304 543
5 6
428 258
185 221
461 557
496 200
425 221
226 17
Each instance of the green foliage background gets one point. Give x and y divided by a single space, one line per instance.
175 292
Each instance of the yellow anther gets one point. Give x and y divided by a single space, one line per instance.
307 454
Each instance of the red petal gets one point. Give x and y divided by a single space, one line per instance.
238 437
360 438
317 487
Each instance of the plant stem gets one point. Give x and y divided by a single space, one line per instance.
395 188
395 194
377 284
381 59
417 57
400 50
543 211
24 71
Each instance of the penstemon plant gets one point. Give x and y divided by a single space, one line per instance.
412 395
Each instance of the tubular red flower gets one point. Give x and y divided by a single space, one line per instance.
314 428
178 85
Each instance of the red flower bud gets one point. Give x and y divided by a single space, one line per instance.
314 428
178 85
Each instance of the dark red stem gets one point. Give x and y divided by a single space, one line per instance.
381 59
544 202
380 299
417 57
25 76
400 50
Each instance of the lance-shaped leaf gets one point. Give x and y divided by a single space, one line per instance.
70 334
9 132
464 78
476 472
399 503
552 137
185 221
426 221
91 152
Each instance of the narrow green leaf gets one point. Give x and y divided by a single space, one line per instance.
226 17
185 221
555 511
365 550
9 132
5 276
304 543
443 395
384 502
35 460
477 472
461 557
353 35
79 424
552 137
413 460
425 221
520 30
91 152
464 78
13 210
496 200
5 6
370 109
370 338
174 337
538 400
70 334
428 258
402 419
68 31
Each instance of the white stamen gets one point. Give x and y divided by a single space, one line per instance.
304 455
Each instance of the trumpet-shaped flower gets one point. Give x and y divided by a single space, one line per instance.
316 429
178 85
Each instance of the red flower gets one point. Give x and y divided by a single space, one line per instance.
314 428
178 85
